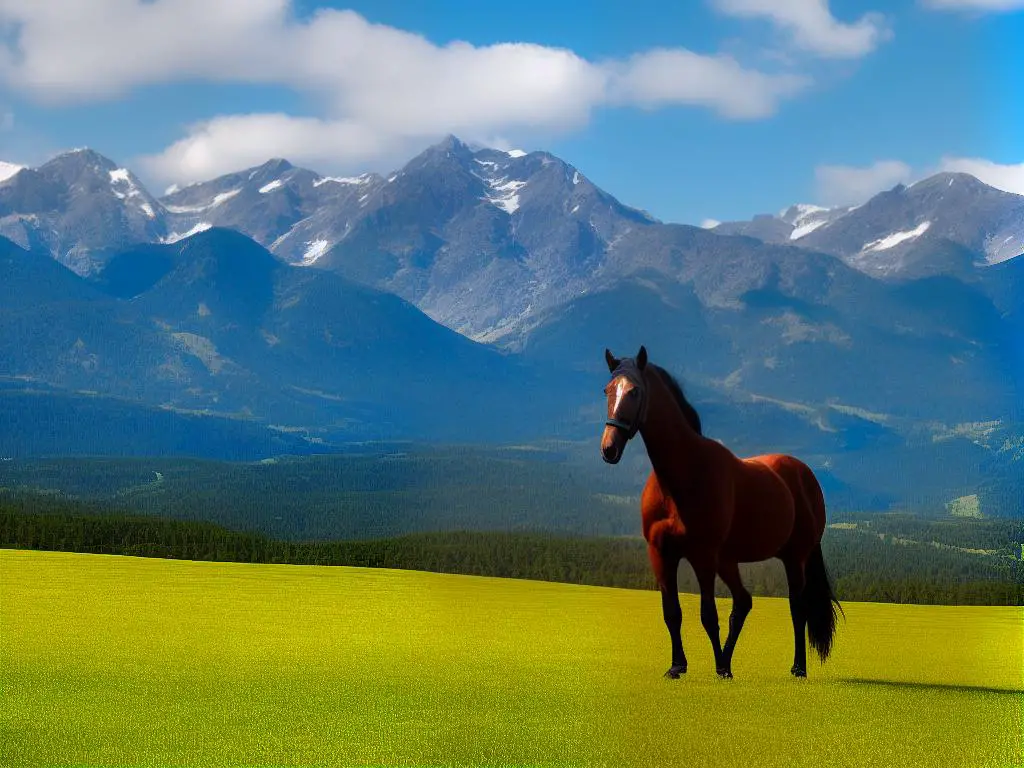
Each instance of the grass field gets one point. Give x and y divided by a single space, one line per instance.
139 662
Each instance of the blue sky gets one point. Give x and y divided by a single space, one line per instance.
718 111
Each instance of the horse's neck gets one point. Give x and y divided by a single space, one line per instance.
671 442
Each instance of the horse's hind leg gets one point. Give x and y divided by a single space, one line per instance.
797 581
666 571
741 605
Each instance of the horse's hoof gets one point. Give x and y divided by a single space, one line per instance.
799 672
725 674
675 672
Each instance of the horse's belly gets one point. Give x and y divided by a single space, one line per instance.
752 549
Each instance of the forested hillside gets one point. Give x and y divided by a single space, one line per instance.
884 558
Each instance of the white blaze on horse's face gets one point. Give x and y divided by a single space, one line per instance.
620 392
623 406
622 399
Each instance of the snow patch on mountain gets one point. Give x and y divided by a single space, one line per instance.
515 153
122 184
891 241
363 179
316 249
120 175
806 229
275 184
798 214
1002 247
174 237
217 200
508 195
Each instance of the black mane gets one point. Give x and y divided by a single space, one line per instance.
689 412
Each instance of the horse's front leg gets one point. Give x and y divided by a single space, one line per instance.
704 569
666 571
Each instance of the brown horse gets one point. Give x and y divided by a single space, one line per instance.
704 504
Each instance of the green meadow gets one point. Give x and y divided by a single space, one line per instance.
119 661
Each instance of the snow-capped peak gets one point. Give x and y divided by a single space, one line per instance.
515 153
123 185
797 214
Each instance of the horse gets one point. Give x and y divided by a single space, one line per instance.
703 503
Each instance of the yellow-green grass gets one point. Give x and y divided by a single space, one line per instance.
138 662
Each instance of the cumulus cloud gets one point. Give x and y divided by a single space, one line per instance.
993 6
851 185
380 88
812 27
1009 178
225 144
673 76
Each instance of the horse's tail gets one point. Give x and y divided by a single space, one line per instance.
820 604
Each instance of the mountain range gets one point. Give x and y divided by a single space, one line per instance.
469 296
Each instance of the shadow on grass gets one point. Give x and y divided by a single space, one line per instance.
952 688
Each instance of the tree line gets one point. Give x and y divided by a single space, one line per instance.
865 566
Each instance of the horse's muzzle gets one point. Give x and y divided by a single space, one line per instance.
612 445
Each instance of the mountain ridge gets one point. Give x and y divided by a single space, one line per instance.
267 293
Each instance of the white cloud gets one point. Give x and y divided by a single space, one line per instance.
812 26
667 76
1009 178
380 88
225 144
8 169
993 6
850 185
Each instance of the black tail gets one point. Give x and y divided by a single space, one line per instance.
820 605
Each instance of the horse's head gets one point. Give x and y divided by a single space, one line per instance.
627 403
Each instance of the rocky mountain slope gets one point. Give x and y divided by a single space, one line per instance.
949 223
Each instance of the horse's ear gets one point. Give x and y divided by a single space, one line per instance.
610 359
641 358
